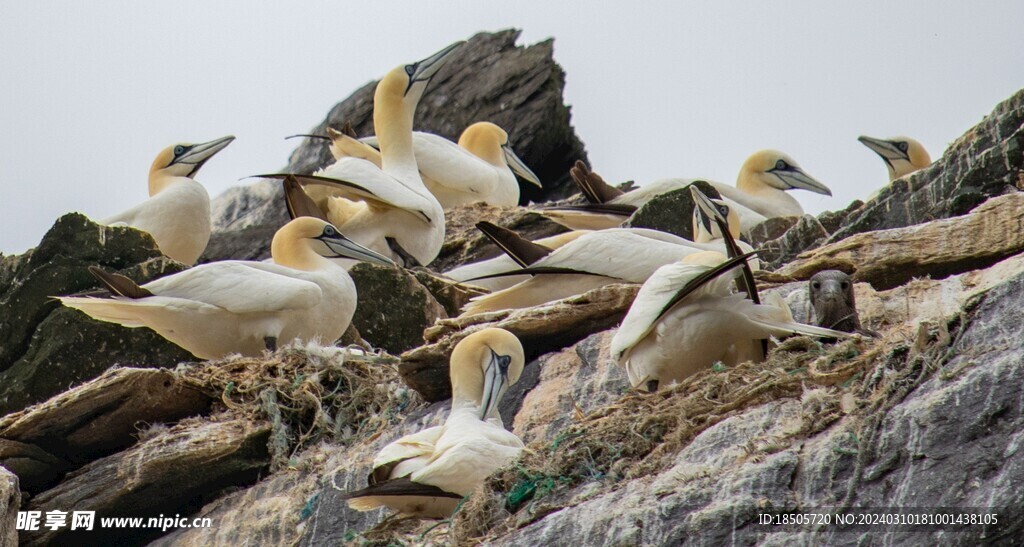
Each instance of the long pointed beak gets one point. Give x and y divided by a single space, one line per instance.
199 153
796 178
495 383
520 168
427 68
344 247
887 149
706 206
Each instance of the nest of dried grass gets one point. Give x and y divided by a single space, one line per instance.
308 394
642 433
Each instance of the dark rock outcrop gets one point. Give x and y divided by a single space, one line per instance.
488 79
393 307
41 343
92 420
671 212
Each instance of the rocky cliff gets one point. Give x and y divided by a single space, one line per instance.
927 414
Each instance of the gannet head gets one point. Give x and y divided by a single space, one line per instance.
185 159
405 84
902 155
707 213
483 366
489 142
304 242
776 170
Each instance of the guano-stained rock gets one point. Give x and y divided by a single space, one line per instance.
541 329
888 258
10 502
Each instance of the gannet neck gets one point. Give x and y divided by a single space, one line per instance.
159 179
484 140
393 111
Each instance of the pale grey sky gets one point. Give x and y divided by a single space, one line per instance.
93 90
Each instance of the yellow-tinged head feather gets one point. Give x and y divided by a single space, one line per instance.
471 356
484 140
292 244
771 169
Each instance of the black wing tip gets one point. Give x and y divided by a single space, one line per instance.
118 284
402 486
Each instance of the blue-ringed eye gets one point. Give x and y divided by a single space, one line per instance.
902 146
410 69
179 150
329 231
781 165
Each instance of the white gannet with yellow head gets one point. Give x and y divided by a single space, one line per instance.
386 208
177 213
760 193
595 259
902 155
481 167
687 317
426 474
236 306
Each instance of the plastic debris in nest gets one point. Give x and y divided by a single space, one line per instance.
308 392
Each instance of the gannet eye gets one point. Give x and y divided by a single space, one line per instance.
781 165
724 210
329 231
410 69
816 285
902 146
179 150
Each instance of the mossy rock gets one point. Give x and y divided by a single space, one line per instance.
393 307
671 212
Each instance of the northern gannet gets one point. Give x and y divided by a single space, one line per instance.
236 306
759 194
505 263
594 259
387 208
177 213
481 167
902 155
686 317
426 474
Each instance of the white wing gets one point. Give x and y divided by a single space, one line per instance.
748 217
367 182
451 166
621 253
417 448
240 287
656 293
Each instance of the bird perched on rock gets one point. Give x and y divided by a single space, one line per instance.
387 208
479 271
177 213
426 474
832 301
481 167
759 194
595 259
902 155
237 306
687 317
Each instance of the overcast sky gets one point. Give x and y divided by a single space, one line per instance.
93 90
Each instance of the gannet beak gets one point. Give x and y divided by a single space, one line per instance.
344 247
889 150
520 168
794 177
197 154
707 207
495 383
424 70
